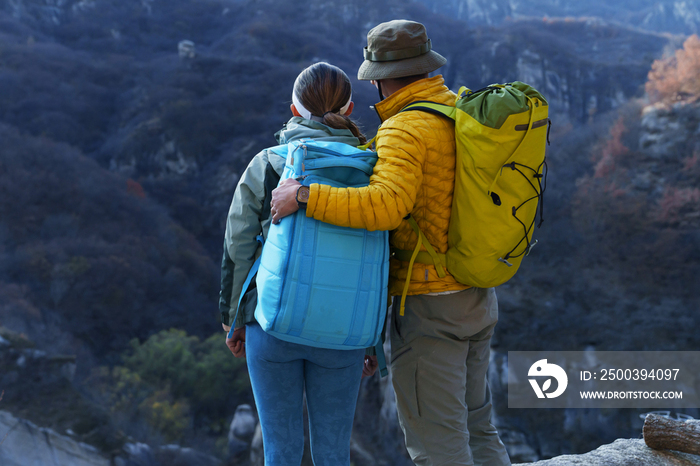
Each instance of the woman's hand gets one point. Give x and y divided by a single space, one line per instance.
237 342
370 366
284 199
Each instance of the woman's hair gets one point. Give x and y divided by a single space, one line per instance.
323 89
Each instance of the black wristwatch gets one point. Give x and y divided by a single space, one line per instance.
303 196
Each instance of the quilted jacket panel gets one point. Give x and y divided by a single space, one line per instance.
414 174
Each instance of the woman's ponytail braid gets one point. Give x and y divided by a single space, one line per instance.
337 121
324 89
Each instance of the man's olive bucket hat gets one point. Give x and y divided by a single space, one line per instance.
397 49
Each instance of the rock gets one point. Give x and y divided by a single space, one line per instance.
642 181
237 448
257 455
359 456
377 438
13 339
517 446
667 130
140 454
243 424
175 455
136 454
28 444
186 49
623 452
241 431
48 368
173 160
68 371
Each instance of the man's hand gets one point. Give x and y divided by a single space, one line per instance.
237 342
370 366
284 199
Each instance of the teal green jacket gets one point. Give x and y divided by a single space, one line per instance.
249 216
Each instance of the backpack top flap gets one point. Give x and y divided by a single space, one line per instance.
332 163
492 105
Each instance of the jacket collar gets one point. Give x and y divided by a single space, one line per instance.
301 128
425 89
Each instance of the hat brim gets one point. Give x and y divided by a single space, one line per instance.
425 63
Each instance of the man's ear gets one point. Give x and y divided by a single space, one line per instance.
294 110
350 107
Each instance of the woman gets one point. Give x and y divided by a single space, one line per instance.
281 371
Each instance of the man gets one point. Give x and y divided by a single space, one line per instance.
440 346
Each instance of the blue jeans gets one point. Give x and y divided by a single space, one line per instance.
280 371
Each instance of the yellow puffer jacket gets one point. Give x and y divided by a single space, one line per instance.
414 174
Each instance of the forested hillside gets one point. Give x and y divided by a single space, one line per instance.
119 158
651 15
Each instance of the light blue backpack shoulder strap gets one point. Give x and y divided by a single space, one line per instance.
246 284
381 358
280 150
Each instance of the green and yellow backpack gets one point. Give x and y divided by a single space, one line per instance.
501 133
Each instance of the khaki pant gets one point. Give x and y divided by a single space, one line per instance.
439 361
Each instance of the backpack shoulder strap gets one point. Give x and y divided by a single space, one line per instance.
251 274
438 260
431 257
431 107
280 150
381 358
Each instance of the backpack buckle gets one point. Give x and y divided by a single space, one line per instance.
529 248
505 261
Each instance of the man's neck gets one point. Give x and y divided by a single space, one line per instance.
389 86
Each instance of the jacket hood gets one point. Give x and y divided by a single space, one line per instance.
301 128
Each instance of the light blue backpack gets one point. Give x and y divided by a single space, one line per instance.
319 284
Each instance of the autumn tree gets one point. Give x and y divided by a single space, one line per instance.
677 77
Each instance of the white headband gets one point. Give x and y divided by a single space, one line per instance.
307 114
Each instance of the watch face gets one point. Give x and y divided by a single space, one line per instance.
303 194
